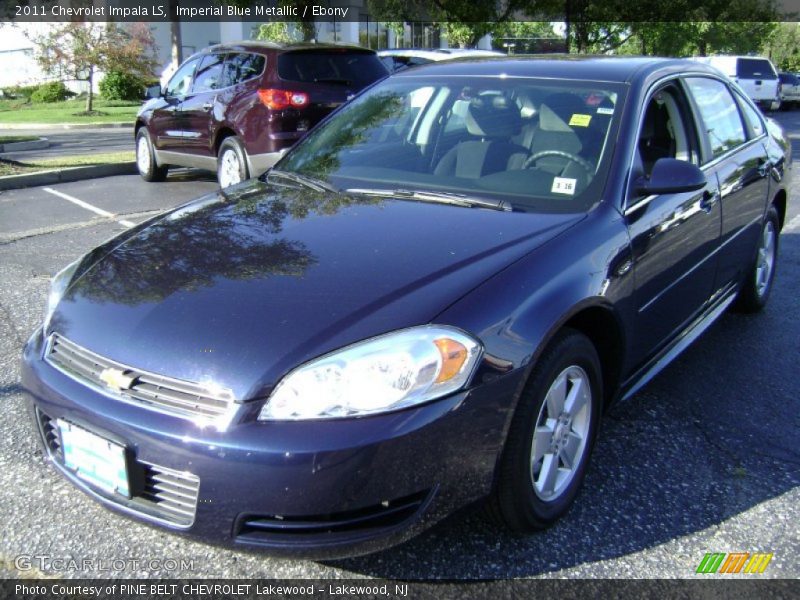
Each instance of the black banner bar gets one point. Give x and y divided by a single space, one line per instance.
440 11
750 588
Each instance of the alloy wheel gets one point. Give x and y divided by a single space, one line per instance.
230 171
143 155
561 435
766 259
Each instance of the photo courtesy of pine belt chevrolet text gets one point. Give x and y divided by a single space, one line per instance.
429 302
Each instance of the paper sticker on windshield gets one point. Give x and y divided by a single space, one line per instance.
579 120
563 185
604 110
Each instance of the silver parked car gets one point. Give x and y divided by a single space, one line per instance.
790 90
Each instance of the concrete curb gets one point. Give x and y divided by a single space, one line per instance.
11 182
32 145
12 126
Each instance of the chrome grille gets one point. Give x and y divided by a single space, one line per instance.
158 493
165 394
172 493
51 435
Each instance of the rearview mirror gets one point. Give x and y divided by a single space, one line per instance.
154 91
671 176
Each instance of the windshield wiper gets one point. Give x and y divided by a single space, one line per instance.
310 182
433 196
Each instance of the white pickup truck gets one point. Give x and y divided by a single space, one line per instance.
756 75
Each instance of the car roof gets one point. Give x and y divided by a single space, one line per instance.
559 66
262 46
414 53
469 51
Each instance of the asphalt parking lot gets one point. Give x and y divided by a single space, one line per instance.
704 459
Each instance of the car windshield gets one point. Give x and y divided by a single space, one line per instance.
533 145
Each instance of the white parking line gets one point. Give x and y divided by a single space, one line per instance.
793 224
88 206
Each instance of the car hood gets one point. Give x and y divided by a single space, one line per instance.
240 286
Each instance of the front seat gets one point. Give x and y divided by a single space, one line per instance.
554 132
493 119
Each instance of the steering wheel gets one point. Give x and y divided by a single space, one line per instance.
588 167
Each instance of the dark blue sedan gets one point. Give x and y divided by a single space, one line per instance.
430 301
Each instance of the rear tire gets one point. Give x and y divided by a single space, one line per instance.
754 294
146 158
231 162
551 436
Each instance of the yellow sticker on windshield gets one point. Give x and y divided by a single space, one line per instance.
579 120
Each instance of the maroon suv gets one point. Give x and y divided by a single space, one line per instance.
237 108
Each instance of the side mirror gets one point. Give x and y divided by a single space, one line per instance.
671 176
154 91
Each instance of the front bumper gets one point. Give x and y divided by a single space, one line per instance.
318 489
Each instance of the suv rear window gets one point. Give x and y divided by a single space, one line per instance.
755 68
357 69
789 79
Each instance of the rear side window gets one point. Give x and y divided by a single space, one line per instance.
209 74
752 116
719 114
356 69
243 67
755 68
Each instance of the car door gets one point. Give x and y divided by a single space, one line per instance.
734 151
199 105
166 124
674 237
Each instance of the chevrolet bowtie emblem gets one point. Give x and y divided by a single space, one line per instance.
116 379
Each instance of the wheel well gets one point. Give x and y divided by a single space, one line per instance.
603 330
137 127
223 133
780 205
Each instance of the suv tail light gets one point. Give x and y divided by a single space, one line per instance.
278 99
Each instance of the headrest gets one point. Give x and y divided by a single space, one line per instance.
556 111
493 116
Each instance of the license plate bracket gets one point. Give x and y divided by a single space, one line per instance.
95 459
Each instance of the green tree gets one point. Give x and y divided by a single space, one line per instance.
462 22
783 47
524 37
78 51
279 32
283 32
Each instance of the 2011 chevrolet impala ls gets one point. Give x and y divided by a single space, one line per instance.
429 301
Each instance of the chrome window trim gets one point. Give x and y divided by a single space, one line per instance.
632 208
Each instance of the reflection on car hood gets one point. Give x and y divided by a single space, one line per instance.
243 285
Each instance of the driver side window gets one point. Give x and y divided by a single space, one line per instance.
181 82
664 132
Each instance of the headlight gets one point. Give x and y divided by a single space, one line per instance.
382 374
58 285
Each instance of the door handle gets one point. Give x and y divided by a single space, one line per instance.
208 106
764 166
709 200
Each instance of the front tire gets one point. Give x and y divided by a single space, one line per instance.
146 158
757 285
231 162
551 436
